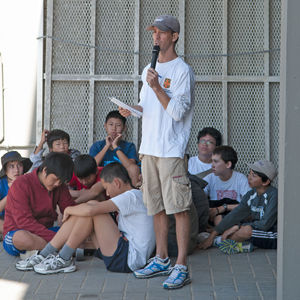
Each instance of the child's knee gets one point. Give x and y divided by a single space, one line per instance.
22 240
246 231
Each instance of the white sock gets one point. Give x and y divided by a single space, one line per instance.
181 267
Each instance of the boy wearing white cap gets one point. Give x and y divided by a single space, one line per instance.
260 205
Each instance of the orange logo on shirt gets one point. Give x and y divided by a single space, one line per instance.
167 83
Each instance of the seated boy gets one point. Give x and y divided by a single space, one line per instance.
114 149
199 167
31 202
260 204
124 247
13 165
57 141
225 187
208 139
85 184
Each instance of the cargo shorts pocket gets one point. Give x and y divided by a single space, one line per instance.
181 191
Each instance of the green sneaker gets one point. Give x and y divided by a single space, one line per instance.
232 247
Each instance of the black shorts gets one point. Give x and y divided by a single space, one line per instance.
118 261
217 203
264 239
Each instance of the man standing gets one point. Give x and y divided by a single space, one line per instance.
167 106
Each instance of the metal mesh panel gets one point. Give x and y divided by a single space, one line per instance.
274 125
71 22
121 90
70 110
204 37
150 9
242 109
245 34
246 122
275 21
207 111
115 31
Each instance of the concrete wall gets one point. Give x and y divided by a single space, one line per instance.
288 269
19 28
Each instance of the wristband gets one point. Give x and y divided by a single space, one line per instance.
116 149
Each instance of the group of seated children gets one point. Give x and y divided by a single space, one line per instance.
87 188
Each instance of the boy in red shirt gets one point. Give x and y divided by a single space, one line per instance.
85 184
31 202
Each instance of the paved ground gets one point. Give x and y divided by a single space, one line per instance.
214 276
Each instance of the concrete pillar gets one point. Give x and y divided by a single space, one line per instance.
288 265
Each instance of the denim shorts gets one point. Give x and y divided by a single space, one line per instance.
118 261
8 242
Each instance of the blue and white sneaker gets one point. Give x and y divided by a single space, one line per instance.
178 278
156 267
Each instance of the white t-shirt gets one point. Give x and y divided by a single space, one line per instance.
196 166
234 188
137 227
165 133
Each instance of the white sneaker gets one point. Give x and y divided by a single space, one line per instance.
202 236
28 254
28 263
55 264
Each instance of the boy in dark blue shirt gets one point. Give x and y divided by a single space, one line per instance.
114 149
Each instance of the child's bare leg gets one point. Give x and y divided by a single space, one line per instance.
107 234
25 240
229 232
1 225
76 229
217 219
134 174
243 234
59 216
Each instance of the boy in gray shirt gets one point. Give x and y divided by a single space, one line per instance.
259 206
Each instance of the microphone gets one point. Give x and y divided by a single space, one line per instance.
155 53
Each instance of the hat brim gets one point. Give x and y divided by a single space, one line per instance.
159 26
27 163
257 169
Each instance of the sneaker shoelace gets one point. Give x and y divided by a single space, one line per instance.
176 272
51 261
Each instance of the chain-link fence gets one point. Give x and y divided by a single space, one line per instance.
96 49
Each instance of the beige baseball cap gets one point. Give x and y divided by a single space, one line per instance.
165 23
265 167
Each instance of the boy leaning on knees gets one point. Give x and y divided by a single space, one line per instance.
86 183
260 205
31 201
115 149
124 247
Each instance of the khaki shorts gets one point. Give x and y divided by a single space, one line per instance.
165 184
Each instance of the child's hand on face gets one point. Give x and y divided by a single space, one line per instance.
109 141
116 141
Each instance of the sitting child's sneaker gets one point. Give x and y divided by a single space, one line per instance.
156 267
28 253
202 236
55 264
178 278
28 263
232 247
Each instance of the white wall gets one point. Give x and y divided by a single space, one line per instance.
20 23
